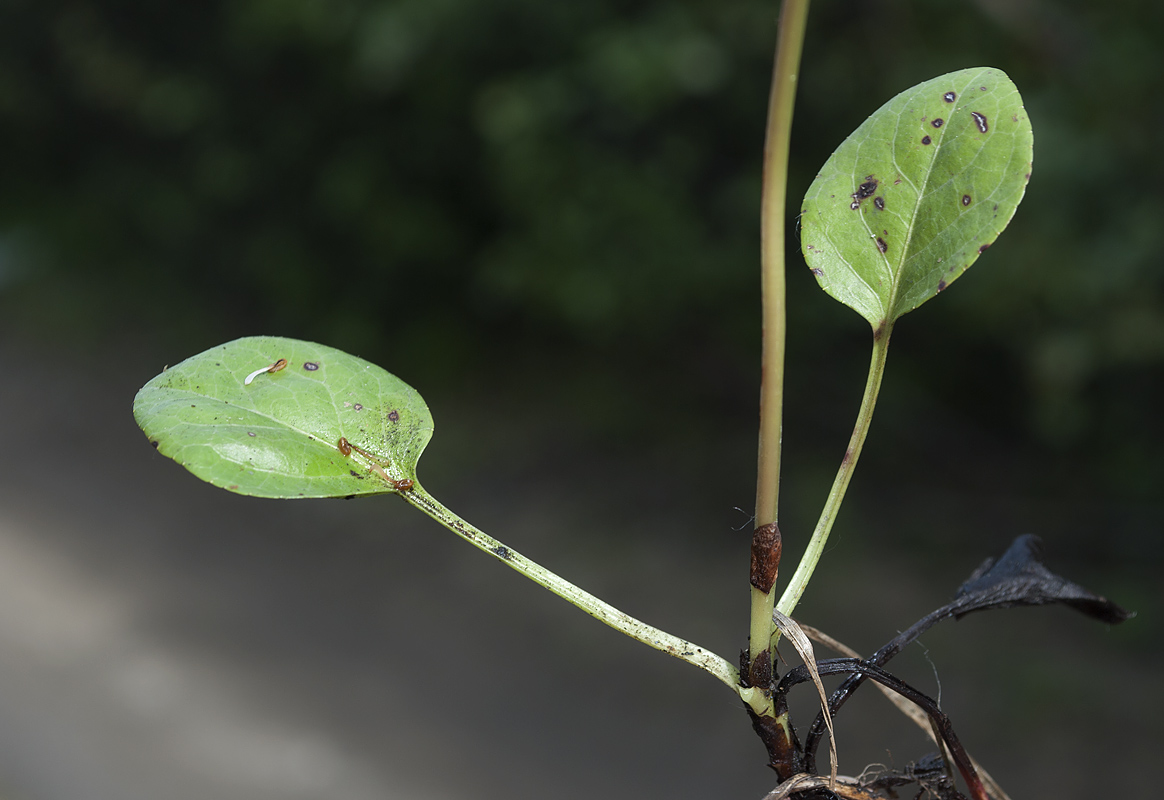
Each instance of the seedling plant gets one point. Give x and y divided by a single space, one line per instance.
912 198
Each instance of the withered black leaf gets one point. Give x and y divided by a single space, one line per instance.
1018 578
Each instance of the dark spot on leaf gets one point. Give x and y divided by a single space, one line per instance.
926 140
393 415
881 245
233 487
817 271
949 97
358 407
311 366
982 249
154 442
355 474
965 199
938 122
942 285
879 202
980 121
1014 117
1028 176
251 433
982 88
865 190
501 551
897 181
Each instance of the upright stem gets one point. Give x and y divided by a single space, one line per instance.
828 514
636 629
785 74
773 202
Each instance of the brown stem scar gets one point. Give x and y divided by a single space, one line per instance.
766 546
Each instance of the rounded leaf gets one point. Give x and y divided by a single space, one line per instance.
312 421
918 192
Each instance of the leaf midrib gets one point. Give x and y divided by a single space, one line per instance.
255 411
890 314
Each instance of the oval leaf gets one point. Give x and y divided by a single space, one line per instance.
916 193
279 435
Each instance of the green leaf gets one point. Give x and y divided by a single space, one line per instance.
280 435
916 193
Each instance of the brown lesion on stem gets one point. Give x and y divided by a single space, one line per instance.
766 547
785 754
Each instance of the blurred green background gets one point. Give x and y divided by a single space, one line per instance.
460 187
544 216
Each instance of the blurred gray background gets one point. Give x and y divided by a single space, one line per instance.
544 217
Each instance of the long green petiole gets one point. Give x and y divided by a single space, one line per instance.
624 623
824 525
785 74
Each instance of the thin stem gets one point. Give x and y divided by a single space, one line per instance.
624 623
824 525
785 75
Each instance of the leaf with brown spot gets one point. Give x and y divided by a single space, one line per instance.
926 152
318 428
